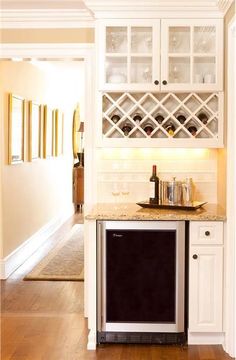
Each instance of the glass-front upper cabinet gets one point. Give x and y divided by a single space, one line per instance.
129 55
191 55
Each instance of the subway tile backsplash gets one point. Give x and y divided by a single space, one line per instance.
131 169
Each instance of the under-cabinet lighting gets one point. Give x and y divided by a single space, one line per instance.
17 59
151 153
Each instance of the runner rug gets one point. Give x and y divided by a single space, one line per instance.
65 261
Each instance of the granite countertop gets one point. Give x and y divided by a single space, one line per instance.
131 211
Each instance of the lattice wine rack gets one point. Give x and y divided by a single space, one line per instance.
170 119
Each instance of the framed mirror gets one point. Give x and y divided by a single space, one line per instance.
48 132
34 130
75 134
16 129
59 128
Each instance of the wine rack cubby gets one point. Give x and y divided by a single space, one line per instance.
170 119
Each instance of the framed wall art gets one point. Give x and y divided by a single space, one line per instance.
16 129
59 128
35 116
48 132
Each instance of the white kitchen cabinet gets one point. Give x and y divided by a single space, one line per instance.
160 55
191 55
129 55
206 277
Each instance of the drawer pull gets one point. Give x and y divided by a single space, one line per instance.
195 256
207 233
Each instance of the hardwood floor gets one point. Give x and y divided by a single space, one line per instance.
43 320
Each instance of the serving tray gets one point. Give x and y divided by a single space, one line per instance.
193 206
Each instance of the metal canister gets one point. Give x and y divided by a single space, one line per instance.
174 192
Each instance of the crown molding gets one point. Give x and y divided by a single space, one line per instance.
80 14
224 5
158 14
158 8
46 18
48 51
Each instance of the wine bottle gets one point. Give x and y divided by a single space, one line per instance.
203 118
159 118
126 129
154 187
137 118
148 129
192 130
170 128
181 118
115 118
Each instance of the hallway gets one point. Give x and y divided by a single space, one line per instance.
44 320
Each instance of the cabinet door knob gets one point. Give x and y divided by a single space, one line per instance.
207 233
195 256
156 82
164 82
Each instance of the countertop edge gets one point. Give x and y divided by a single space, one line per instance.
106 212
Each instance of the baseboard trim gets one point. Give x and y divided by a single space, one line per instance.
205 338
92 340
11 262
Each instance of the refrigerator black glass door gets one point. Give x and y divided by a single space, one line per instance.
140 276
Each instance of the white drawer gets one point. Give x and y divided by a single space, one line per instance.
206 232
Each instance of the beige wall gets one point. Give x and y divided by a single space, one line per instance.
83 35
222 153
34 193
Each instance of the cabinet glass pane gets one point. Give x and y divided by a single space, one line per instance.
179 70
116 69
141 69
204 39
179 39
204 69
116 39
141 40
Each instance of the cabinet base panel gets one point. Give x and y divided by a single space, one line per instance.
205 338
140 338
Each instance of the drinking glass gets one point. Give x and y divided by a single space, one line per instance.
116 192
125 192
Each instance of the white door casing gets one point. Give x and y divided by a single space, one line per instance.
230 267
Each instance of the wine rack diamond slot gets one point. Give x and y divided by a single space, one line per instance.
153 116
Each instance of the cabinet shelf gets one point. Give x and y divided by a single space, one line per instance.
173 117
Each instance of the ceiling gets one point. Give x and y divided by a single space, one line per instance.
42 4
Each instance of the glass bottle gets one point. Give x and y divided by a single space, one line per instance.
126 129
181 118
192 130
137 118
203 118
159 118
154 187
115 118
170 128
148 129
